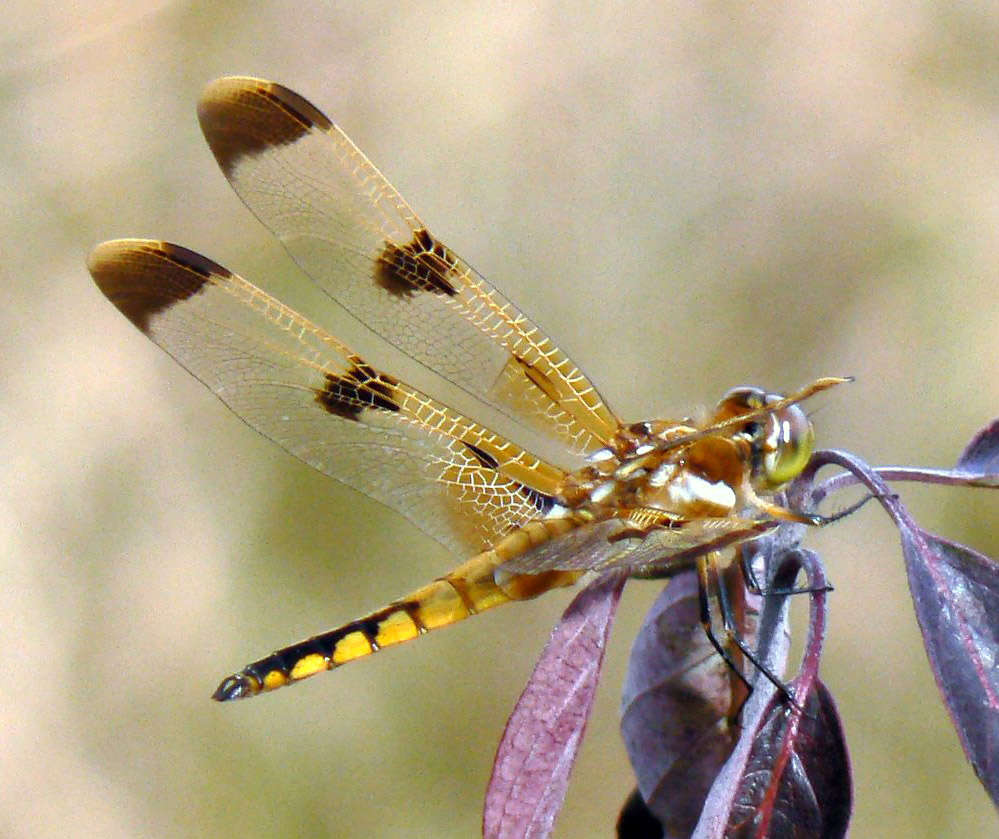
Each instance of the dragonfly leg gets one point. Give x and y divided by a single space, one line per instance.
842 514
778 511
754 585
708 579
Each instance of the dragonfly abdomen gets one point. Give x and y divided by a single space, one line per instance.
465 591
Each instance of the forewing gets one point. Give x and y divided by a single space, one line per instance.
347 227
296 384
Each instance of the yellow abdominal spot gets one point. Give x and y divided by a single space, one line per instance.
350 647
274 679
396 627
307 665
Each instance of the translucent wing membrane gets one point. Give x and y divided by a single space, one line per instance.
348 228
614 543
293 382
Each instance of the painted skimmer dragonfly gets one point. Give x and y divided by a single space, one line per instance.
650 497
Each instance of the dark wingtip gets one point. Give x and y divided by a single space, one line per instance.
144 277
242 117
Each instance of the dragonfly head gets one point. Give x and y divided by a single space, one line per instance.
780 441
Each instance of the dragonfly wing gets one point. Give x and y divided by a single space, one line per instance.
290 380
589 546
614 543
348 228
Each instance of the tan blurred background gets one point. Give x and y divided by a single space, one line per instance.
688 196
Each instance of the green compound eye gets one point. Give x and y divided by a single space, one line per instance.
788 445
783 439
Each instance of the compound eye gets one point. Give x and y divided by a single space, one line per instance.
788 445
740 400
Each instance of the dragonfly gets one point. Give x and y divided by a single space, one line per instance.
647 498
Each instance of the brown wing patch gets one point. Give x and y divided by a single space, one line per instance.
360 389
242 117
538 379
541 501
145 278
484 458
421 265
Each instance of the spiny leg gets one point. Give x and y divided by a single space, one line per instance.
782 513
707 571
816 520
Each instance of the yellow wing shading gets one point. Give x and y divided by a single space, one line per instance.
456 480
348 228
660 550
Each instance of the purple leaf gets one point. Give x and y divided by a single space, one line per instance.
676 708
955 591
534 759
956 595
789 774
793 780
981 456
789 764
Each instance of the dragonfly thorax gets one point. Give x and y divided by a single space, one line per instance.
687 470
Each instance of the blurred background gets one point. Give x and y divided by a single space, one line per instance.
688 196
